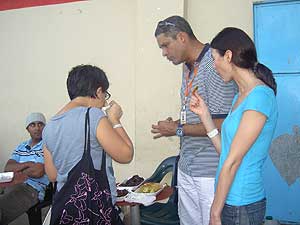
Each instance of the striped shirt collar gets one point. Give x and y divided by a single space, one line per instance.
35 147
200 56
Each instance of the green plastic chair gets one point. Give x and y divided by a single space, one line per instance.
163 213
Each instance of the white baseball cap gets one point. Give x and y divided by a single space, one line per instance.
35 117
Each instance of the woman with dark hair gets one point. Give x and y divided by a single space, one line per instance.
246 133
80 135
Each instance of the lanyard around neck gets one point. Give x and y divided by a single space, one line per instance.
189 84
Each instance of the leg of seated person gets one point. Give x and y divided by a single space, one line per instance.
15 201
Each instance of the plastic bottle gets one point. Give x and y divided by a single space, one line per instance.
269 221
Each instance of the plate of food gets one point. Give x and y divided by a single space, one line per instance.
150 188
131 183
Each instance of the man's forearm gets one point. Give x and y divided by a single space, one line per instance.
14 166
198 130
34 170
168 127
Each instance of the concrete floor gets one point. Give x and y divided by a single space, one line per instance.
23 219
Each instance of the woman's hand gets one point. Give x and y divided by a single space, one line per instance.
215 216
215 220
114 113
198 106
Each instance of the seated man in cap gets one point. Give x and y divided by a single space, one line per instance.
27 159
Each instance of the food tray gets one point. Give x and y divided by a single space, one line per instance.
161 187
129 188
6 177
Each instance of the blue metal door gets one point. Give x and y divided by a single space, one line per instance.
277 38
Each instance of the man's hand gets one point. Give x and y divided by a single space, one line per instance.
165 128
30 169
34 170
15 166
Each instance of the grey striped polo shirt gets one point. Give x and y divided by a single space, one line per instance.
198 156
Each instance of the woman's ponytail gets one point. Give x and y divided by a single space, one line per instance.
265 74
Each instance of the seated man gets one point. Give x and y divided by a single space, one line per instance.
27 159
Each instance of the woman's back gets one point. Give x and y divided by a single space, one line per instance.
64 138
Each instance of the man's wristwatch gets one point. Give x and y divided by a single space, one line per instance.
179 130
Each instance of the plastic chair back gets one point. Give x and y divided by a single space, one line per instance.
35 213
163 213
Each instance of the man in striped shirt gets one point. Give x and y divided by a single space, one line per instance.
28 161
198 158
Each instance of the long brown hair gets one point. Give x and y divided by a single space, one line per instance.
243 53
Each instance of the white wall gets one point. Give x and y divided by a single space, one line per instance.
208 17
157 85
39 46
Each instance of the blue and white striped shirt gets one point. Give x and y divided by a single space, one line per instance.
198 157
23 153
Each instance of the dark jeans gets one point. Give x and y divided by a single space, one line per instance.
15 201
252 214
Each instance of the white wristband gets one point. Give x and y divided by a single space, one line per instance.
213 133
117 125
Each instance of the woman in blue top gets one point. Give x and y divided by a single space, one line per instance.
246 133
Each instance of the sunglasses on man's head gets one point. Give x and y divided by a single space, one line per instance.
166 23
